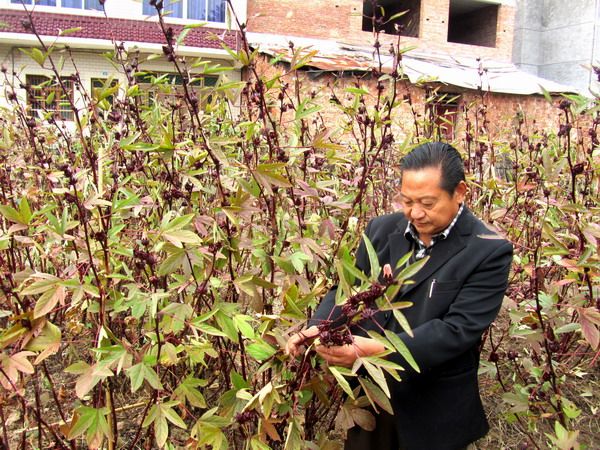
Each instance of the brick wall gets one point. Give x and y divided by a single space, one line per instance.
501 109
477 27
341 20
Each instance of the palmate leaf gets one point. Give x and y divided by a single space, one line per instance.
47 342
187 392
93 423
158 415
260 350
208 429
241 324
140 372
294 436
48 300
12 365
52 290
12 215
89 376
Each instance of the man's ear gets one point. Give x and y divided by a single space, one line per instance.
460 192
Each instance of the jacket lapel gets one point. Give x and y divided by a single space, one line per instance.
441 252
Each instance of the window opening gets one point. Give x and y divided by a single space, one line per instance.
473 22
406 25
98 85
47 96
208 10
168 88
77 4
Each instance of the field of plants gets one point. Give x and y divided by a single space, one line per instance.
155 257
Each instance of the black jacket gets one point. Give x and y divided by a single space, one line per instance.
439 407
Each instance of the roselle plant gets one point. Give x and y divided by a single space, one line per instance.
155 256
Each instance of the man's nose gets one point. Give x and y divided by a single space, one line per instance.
417 212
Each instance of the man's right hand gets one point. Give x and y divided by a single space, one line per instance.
298 339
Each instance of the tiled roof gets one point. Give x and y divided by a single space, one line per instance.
121 30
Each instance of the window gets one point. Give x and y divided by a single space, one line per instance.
168 88
207 10
406 25
101 84
77 4
48 96
473 22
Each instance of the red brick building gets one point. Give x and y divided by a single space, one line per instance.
479 28
451 41
463 46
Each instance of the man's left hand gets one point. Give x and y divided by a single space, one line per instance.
346 355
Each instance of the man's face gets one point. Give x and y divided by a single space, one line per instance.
426 205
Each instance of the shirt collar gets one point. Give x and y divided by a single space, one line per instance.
421 249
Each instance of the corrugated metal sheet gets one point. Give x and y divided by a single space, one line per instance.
470 73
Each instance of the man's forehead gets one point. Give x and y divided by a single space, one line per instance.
426 196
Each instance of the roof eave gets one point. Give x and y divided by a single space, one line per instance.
17 39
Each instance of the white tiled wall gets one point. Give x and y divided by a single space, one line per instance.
89 64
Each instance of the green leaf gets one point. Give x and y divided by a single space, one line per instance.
140 372
298 259
238 381
24 210
401 319
266 174
356 91
48 300
227 326
294 439
44 284
180 237
304 111
546 94
171 415
261 350
173 262
412 269
375 395
177 223
93 423
204 328
38 56
12 215
47 342
373 259
241 323
351 268
377 374
69 31
337 373
175 316
401 348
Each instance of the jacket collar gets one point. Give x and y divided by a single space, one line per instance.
441 252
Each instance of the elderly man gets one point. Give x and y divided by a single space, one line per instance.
455 297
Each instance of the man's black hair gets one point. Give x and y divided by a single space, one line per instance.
438 155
